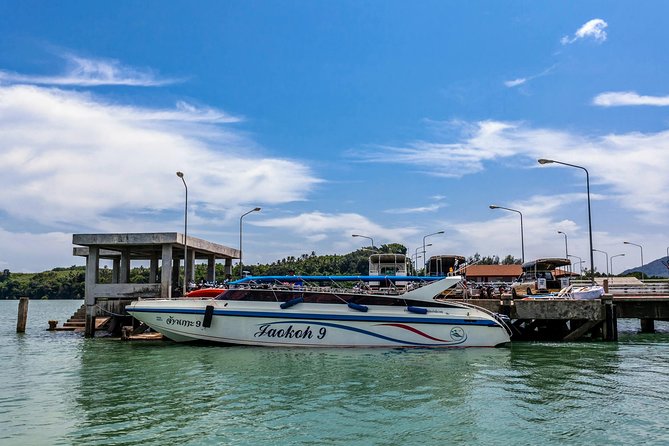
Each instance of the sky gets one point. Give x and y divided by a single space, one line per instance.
393 120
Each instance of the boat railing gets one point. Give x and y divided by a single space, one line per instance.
336 287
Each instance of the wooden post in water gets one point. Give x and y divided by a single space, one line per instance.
610 327
647 325
23 315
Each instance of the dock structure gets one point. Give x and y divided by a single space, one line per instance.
164 251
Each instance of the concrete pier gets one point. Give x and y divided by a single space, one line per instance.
163 250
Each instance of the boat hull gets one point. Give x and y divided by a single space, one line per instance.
319 325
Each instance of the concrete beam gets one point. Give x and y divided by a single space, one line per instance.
166 272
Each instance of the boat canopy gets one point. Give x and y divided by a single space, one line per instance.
446 263
271 279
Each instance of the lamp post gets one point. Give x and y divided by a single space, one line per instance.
416 253
580 263
607 259
364 236
181 175
416 257
522 236
641 248
587 182
429 235
612 257
241 265
566 250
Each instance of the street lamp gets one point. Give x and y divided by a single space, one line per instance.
417 256
640 247
587 182
364 236
607 260
241 265
566 251
612 257
416 253
522 237
181 175
429 235
580 263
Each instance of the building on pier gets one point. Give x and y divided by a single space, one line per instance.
164 251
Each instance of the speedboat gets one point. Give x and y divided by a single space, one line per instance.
327 311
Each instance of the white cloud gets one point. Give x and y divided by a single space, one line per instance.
88 72
72 160
627 98
515 82
416 210
523 80
632 166
345 224
26 252
593 29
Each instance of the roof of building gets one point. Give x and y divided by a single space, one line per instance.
145 245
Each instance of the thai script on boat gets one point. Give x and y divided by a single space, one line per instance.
266 330
182 322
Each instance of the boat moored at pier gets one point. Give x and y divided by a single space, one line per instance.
328 311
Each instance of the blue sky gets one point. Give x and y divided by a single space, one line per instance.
388 119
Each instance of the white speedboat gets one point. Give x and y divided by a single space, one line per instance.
327 311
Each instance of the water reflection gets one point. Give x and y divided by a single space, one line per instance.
247 395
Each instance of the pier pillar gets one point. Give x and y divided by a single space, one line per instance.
166 272
153 270
647 326
116 268
176 277
211 269
227 268
92 272
124 272
22 316
191 265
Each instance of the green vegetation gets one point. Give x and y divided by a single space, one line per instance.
59 283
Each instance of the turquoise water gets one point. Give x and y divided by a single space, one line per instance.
58 388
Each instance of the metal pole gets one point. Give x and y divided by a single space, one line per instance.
580 263
607 260
241 264
522 231
429 235
181 175
612 257
364 236
587 181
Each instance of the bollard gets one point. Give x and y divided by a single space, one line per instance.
23 315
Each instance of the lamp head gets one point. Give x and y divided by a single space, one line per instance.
544 161
560 232
492 206
627 243
180 174
355 235
440 232
256 209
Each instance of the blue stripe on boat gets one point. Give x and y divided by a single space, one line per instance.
335 317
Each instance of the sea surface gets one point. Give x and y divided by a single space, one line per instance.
58 388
